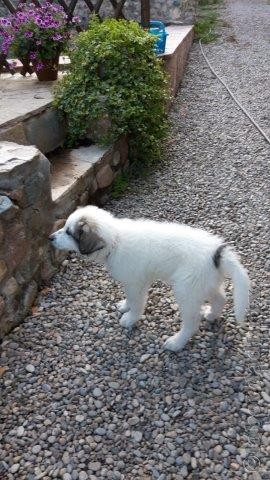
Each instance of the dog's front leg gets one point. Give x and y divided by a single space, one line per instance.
136 300
123 306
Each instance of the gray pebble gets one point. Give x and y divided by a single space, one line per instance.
14 468
36 449
30 368
97 392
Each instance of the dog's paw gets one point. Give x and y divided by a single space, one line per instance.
122 306
127 321
173 344
207 314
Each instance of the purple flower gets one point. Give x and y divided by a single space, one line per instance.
32 55
4 48
21 16
39 66
6 40
76 19
28 34
29 22
5 22
57 37
39 22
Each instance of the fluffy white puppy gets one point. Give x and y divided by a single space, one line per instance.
138 252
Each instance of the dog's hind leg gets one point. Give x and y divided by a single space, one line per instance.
217 302
136 300
190 308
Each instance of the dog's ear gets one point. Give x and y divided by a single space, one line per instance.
88 240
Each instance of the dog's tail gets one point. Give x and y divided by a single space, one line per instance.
231 266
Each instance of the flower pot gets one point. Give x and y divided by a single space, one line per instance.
49 71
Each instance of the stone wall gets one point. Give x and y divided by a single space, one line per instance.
168 11
25 221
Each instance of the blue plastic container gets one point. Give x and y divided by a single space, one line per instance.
157 28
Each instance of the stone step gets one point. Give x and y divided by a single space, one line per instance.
78 174
68 167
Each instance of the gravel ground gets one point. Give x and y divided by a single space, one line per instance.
84 399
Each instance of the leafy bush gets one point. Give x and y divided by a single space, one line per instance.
205 27
115 75
204 3
120 185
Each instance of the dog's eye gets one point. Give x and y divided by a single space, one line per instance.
68 232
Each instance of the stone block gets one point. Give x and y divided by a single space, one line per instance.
2 305
122 147
93 187
24 165
116 159
17 196
125 167
48 268
29 296
37 185
16 245
11 288
84 198
29 265
7 209
38 220
15 133
104 176
1 234
6 324
46 130
3 270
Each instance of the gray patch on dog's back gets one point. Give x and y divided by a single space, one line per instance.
217 255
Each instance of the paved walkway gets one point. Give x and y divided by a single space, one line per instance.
83 399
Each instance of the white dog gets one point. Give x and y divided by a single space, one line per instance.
138 252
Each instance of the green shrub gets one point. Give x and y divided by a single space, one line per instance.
204 3
116 75
120 185
205 27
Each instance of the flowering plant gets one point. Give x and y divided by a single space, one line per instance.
37 34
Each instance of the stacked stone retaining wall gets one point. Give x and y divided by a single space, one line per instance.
25 221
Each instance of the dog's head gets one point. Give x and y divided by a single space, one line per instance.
82 232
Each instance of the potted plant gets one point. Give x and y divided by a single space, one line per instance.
37 34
